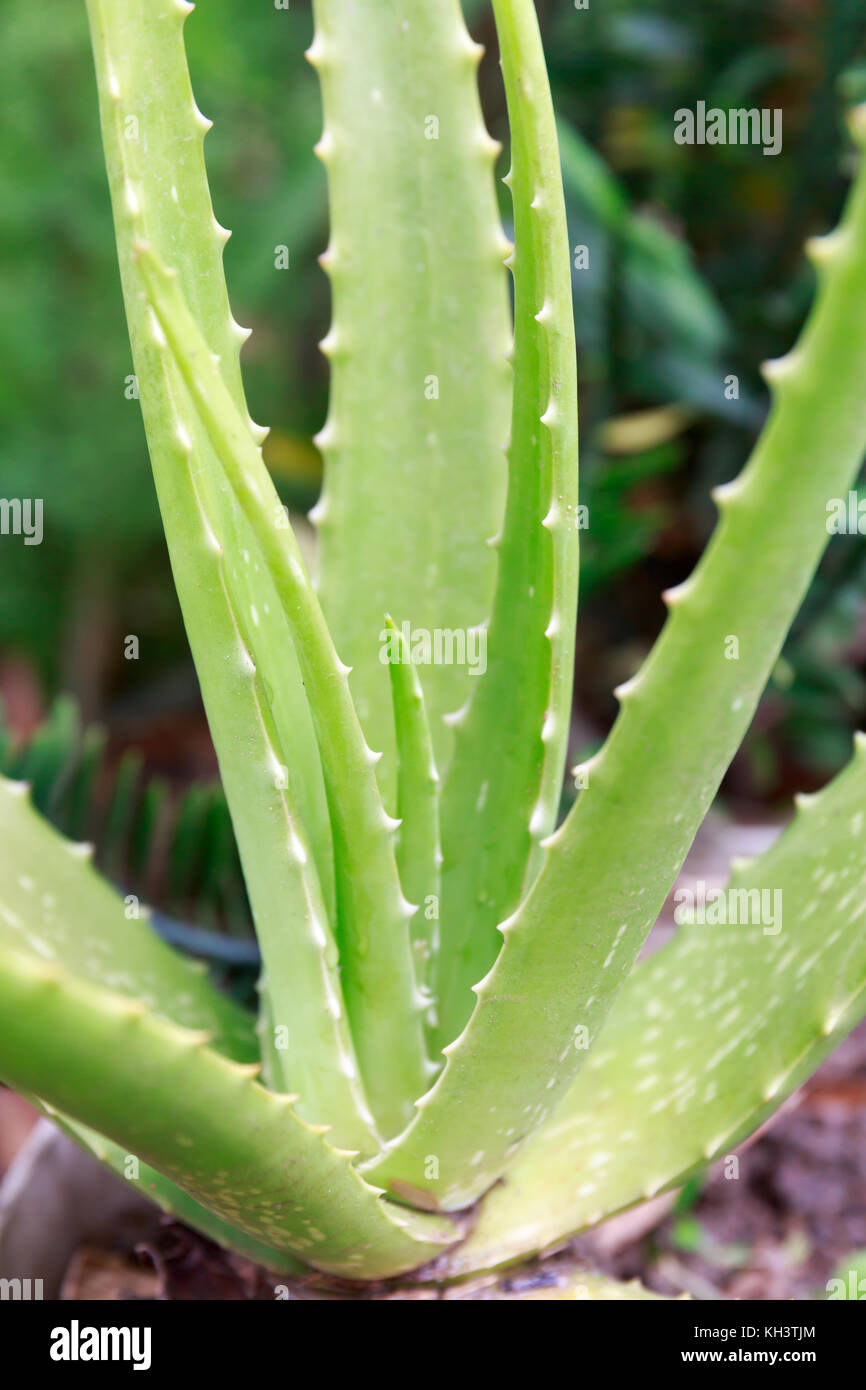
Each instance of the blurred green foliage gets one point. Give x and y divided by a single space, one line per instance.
70 433
698 273
693 270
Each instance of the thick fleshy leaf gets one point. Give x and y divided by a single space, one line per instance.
572 942
419 856
165 1096
378 977
255 701
55 908
418 415
709 1036
167 1195
502 791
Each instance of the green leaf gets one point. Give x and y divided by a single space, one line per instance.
55 907
201 1121
573 940
83 785
308 1046
253 694
385 1006
118 821
502 790
43 762
414 480
849 1277
418 852
153 136
707 1039
168 1196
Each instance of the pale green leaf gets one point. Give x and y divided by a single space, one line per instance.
418 416
384 1003
256 705
572 942
709 1036
163 1095
502 791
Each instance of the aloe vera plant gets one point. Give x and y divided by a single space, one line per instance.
425 1087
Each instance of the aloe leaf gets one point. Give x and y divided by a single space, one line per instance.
573 940
266 634
501 794
106 942
416 425
167 1195
308 1046
384 1002
152 134
707 1039
418 851
202 1121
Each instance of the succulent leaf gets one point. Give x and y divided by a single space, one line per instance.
55 908
418 852
569 946
308 1045
418 413
161 1092
707 1039
153 136
384 1003
168 1196
159 191
502 791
